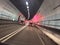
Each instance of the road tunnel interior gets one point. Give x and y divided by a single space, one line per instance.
44 15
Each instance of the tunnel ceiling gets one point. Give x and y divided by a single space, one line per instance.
34 5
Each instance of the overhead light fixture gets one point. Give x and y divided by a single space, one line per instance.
13 19
27 6
26 3
28 9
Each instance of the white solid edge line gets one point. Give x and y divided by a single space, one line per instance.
12 34
7 35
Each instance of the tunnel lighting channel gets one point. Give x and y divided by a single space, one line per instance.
28 9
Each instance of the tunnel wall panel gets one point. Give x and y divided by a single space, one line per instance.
53 20
8 10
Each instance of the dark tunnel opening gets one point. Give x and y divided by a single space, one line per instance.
34 5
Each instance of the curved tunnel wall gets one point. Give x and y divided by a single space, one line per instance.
53 20
51 10
8 10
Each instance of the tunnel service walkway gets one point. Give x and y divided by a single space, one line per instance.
52 33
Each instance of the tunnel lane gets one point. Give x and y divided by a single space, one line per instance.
30 36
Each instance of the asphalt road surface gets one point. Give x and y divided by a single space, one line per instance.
8 28
29 36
